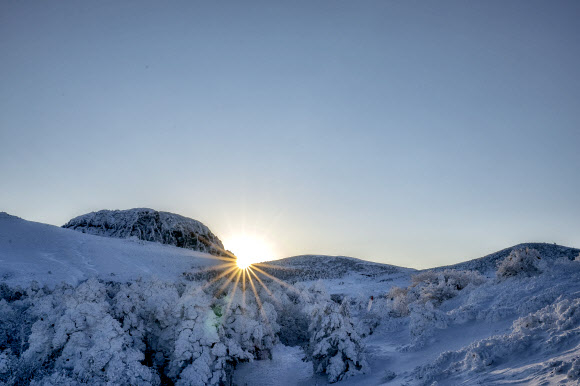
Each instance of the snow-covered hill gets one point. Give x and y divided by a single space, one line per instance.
50 255
510 317
149 225
488 263
314 267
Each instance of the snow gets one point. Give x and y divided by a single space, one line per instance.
31 251
128 315
286 366
149 225
482 319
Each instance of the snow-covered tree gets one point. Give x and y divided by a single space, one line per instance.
82 341
198 355
249 325
335 347
146 310
293 318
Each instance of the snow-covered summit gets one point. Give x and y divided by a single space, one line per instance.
149 225
488 263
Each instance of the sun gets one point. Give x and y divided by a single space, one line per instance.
249 249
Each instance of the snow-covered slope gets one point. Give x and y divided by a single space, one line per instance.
488 263
472 323
49 254
149 225
314 267
342 276
461 324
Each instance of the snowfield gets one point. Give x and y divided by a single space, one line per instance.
50 255
78 308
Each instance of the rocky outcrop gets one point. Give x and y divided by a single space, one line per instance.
149 225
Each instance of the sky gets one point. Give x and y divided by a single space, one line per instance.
414 133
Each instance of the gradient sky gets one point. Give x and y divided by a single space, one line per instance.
404 132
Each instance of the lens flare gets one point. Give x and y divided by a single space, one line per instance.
249 249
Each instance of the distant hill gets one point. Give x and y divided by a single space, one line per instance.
314 267
488 263
149 225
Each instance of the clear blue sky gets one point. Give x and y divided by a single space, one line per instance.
406 132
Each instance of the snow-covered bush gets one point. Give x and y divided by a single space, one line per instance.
574 372
335 347
131 333
548 330
197 358
292 318
213 335
76 336
7 364
248 326
436 287
520 262
424 319
146 311
398 300
430 286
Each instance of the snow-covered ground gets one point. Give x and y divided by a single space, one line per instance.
50 255
517 329
512 317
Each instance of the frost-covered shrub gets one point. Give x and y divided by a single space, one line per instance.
58 378
197 355
398 300
248 327
335 347
436 287
430 287
213 335
292 318
425 318
146 311
574 372
548 330
520 262
80 339
10 294
369 318
7 364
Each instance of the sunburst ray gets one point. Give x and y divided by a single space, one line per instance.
215 279
260 306
225 284
272 266
235 287
281 282
264 285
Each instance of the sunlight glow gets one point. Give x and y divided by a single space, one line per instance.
249 249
